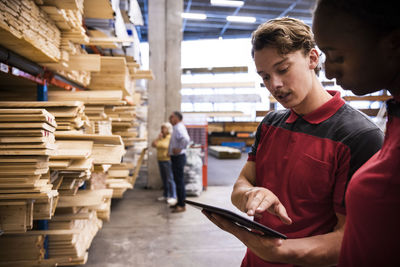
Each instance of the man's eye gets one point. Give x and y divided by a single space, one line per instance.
338 60
334 58
281 71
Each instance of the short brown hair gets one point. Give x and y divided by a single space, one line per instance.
285 34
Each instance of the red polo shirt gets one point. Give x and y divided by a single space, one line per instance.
307 161
372 233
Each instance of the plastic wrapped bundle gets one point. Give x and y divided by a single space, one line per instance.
193 172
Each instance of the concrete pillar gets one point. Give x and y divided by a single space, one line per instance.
165 36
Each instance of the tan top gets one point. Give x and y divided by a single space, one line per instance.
162 148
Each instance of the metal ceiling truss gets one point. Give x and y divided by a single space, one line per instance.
216 25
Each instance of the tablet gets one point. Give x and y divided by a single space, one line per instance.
238 219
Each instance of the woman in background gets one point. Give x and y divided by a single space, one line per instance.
164 163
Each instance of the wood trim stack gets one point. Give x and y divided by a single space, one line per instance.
26 192
28 31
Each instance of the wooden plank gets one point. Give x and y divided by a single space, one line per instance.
39 104
113 65
86 198
64 4
77 165
13 216
371 112
240 126
23 125
24 48
25 132
367 98
27 145
98 9
106 40
86 96
223 152
24 159
84 62
43 195
96 138
27 139
73 149
27 152
143 74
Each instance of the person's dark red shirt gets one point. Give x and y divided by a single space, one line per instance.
307 161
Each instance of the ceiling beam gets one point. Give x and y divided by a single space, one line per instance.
290 8
187 10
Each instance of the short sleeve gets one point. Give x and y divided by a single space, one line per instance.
253 153
361 148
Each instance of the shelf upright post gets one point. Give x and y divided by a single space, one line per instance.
44 225
42 91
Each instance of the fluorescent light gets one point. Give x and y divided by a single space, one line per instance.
241 19
227 3
194 16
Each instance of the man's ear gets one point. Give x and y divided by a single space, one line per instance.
314 58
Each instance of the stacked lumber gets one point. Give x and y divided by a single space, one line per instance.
107 149
17 248
73 162
224 152
68 16
29 31
79 65
26 142
95 104
113 75
119 179
69 114
98 200
123 120
76 228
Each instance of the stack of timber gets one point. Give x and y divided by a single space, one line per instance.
224 152
123 119
79 213
119 179
29 31
21 250
95 105
77 220
69 114
107 149
74 229
26 192
135 71
113 75
68 16
73 162
77 66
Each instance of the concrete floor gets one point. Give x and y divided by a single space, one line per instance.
143 232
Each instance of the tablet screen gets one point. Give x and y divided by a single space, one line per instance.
238 219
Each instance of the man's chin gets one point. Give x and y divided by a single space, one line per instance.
358 90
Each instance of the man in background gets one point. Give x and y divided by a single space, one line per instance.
177 147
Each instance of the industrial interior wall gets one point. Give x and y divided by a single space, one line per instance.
165 36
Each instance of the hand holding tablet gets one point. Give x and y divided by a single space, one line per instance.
238 219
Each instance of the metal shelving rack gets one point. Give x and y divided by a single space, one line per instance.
19 66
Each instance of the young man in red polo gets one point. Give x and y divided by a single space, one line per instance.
303 157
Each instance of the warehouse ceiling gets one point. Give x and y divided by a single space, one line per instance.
216 24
